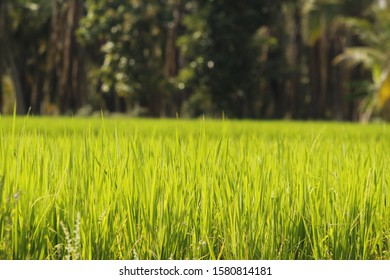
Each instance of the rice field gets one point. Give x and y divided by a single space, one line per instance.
116 188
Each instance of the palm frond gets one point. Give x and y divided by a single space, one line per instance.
367 56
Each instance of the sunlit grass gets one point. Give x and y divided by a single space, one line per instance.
174 189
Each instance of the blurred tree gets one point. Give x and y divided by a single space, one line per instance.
221 52
8 60
249 59
325 33
374 30
137 42
65 79
71 88
26 28
2 56
295 60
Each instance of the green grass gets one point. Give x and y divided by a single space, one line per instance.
176 189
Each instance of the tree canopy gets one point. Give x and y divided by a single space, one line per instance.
300 59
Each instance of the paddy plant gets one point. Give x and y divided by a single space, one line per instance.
116 188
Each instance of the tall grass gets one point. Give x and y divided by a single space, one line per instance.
175 189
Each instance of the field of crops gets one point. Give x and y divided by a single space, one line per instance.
193 189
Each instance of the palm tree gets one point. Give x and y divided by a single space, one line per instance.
326 38
374 31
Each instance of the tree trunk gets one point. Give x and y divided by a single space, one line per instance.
339 77
50 83
294 56
15 75
171 66
70 72
315 84
8 60
324 49
37 94
2 56
64 92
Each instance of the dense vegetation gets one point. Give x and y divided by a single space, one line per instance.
73 188
301 59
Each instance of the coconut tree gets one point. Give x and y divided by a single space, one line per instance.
326 37
374 31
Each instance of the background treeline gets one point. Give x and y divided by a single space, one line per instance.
300 59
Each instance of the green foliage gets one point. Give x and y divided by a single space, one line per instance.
31 15
129 37
198 104
374 31
200 189
23 36
248 59
221 51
